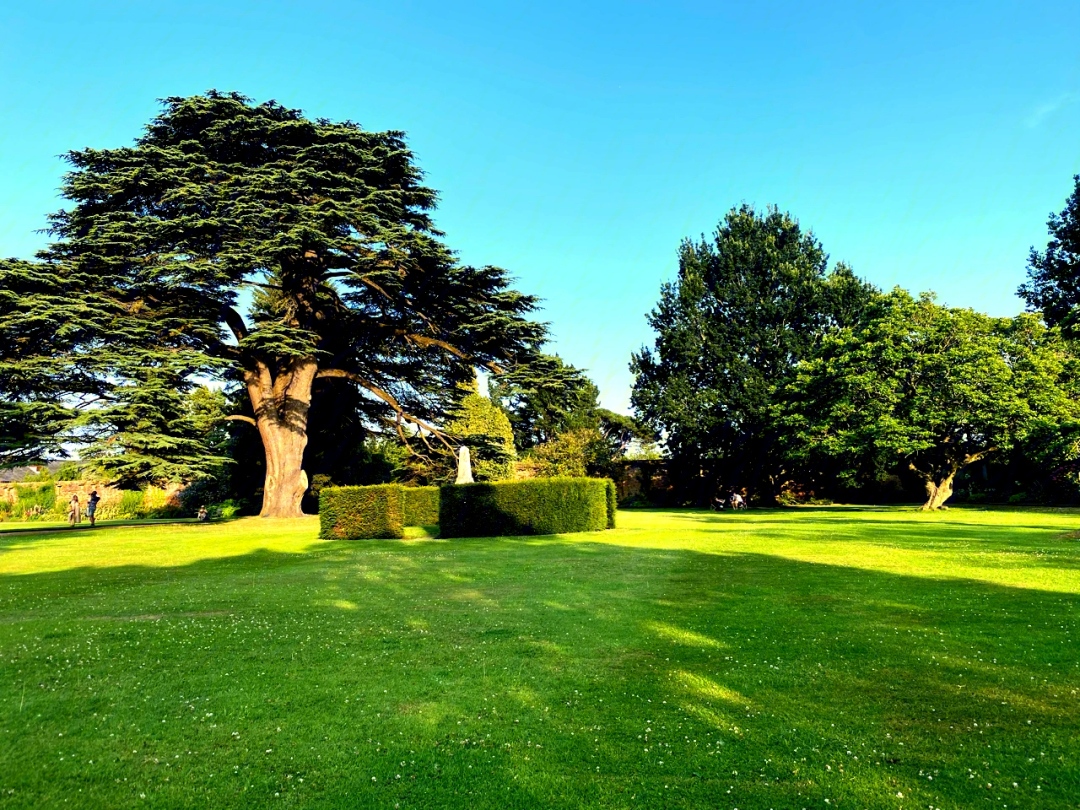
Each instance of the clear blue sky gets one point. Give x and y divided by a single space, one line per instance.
576 144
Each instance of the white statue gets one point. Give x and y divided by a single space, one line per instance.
464 467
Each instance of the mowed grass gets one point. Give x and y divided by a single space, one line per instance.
770 659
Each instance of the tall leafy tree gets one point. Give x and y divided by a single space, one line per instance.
746 307
929 387
544 398
329 221
620 431
1053 284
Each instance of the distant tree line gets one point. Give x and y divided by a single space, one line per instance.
292 265
779 376
259 305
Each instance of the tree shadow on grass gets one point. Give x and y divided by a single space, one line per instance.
829 516
30 534
535 672
1052 546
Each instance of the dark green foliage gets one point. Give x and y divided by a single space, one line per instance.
621 430
643 483
34 498
575 453
545 398
534 506
421 506
1045 465
206 493
480 424
69 471
39 324
356 513
1053 284
141 294
931 387
612 502
745 308
149 433
342 450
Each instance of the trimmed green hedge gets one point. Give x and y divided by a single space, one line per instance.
421 506
357 513
612 502
534 506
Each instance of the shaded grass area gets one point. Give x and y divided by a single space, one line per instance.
687 659
38 526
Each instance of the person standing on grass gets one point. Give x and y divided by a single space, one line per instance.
91 506
74 511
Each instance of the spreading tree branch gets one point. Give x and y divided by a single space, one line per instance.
389 400
235 323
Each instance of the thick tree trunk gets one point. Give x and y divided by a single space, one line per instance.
286 481
937 492
281 414
939 486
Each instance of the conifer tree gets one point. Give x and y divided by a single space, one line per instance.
143 293
544 398
484 427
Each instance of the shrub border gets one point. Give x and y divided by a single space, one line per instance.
532 506
362 513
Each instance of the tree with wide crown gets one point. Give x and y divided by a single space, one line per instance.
247 243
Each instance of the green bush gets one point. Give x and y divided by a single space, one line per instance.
69 471
132 503
575 453
421 506
34 500
484 427
534 506
357 513
157 503
226 510
612 502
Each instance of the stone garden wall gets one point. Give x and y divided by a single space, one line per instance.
111 498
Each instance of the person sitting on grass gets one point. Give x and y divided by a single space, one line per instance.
203 514
91 506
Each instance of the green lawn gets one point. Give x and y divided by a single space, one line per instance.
815 658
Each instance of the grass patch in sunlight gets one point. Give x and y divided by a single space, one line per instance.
685 659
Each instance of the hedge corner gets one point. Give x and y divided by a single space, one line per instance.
361 513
